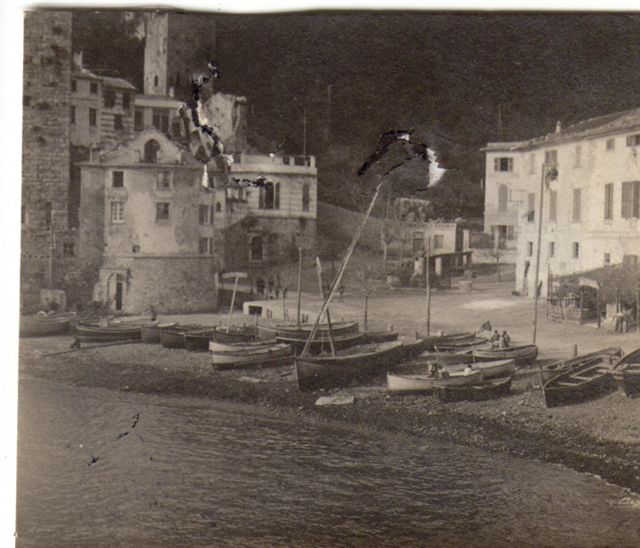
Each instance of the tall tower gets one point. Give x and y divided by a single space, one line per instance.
176 46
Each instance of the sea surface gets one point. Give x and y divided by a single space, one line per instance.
103 468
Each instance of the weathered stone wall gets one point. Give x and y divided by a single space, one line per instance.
169 284
45 153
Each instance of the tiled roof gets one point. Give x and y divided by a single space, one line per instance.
600 125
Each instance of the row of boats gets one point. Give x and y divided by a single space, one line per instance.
340 355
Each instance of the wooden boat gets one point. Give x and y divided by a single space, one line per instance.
552 370
278 354
107 334
460 344
357 363
198 341
173 337
458 378
626 373
322 343
433 341
235 334
215 346
379 336
411 383
498 368
44 326
302 331
522 355
150 332
479 391
578 384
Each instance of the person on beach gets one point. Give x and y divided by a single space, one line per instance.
495 339
434 369
504 340
468 370
341 289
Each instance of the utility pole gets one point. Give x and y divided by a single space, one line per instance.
428 281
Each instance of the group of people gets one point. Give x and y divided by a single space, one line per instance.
500 340
271 287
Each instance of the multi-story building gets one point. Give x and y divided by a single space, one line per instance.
150 232
46 240
589 174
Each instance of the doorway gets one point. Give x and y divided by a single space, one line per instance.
119 297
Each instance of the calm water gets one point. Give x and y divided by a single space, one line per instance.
193 472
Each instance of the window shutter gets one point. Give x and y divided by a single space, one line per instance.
626 199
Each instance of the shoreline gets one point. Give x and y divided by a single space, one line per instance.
518 425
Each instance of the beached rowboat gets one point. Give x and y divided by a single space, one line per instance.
462 343
150 332
173 337
302 331
522 355
626 373
550 371
498 368
323 343
44 326
479 391
215 346
107 334
276 354
578 384
409 383
358 363
235 334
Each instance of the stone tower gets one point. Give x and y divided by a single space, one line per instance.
46 241
176 45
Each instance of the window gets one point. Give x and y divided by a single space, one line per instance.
577 156
117 179
305 197
608 201
67 249
117 212
162 211
109 99
503 197
607 259
72 114
503 164
161 120
531 211
631 200
577 205
135 249
530 248
611 144
74 85
93 88
532 164
48 214
633 140
218 207
126 101
630 261
163 181
438 241
552 249
553 205
117 122
576 249
93 115
137 120
206 214
151 149
256 249
206 246
551 157
267 197
418 242
155 80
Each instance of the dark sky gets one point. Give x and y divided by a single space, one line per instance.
445 74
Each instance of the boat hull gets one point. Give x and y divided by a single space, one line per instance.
216 346
36 326
279 354
108 334
408 384
150 333
499 368
522 355
362 364
626 373
476 392
323 343
302 331
577 385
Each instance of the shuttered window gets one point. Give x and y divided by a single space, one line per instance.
553 205
630 200
577 205
608 201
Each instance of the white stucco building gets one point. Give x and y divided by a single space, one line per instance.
591 211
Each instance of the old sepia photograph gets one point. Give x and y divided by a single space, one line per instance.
327 278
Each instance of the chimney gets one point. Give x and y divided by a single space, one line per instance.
558 126
77 59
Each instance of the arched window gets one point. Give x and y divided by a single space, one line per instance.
269 196
305 197
151 149
256 248
503 197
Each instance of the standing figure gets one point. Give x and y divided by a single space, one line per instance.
504 340
341 289
495 339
